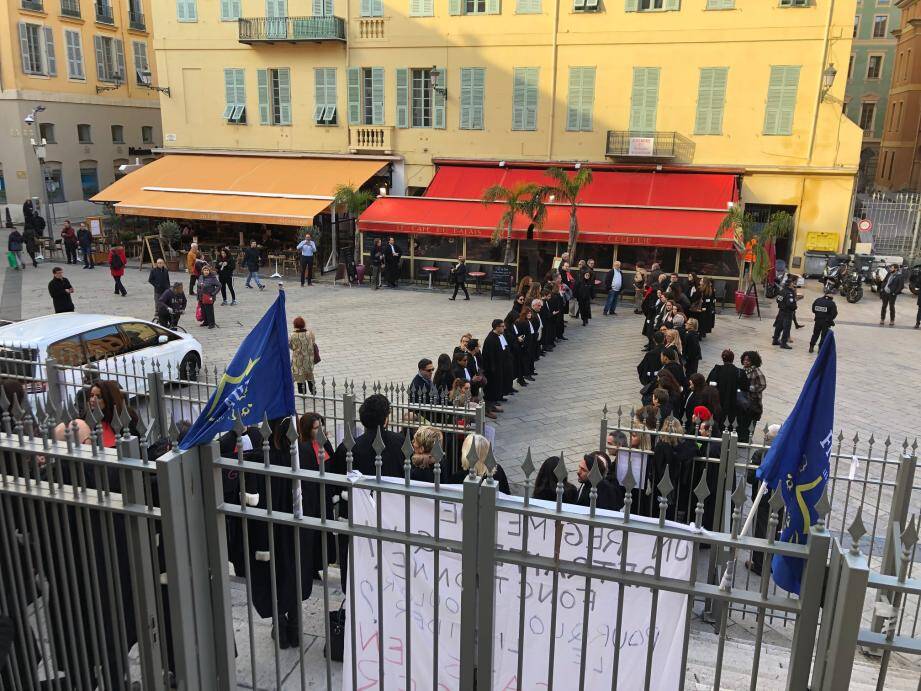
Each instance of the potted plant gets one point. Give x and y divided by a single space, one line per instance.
168 232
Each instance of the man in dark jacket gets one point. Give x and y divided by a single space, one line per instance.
494 362
60 290
786 306
159 279
609 495
85 239
825 311
392 257
69 241
652 361
459 275
421 388
729 381
377 261
171 305
251 261
889 291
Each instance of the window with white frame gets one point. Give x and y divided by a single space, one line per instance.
110 59
118 134
867 115
235 95
46 132
37 49
274 87
874 66
324 105
84 134
421 98
73 44
794 3
880 24
231 10
147 134
187 10
372 8
141 66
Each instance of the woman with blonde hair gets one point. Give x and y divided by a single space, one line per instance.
476 448
707 315
423 461
302 343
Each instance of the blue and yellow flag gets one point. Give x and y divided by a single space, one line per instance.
798 461
258 381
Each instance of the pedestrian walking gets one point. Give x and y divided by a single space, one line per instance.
117 262
825 311
459 276
30 242
786 306
251 261
583 293
85 240
377 261
753 398
307 248
60 290
69 241
302 343
614 283
192 267
893 284
208 288
707 318
225 266
14 249
392 257
159 279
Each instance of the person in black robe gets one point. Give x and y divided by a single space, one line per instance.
392 256
548 324
729 380
609 495
546 483
670 362
651 305
520 330
664 459
707 316
652 360
691 343
583 292
707 468
421 388
558 310
494 364
510 370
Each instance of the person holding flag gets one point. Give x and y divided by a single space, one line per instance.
798 462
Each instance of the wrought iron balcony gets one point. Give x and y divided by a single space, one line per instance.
70 8
34 5
373 138
291 29
136 20
635 145
104 14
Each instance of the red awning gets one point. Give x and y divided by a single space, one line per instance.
688 190
597 224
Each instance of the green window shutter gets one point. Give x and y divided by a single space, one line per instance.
402 97
226 12
322 8
51 62
353 90
438 101
479 98
721 4
415 8
241 87
644 99
428 8
574 99
262 83
632 6
101 72
673 5
365 10
528 7
120 58
193 10
530 109
466 96
518 98
588 99
230 92
781 100
319 92
524 98
377 95
493 7
181 11
377 8
472 95
24 48
455 7
284 96
711 96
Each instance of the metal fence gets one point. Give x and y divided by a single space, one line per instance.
896 219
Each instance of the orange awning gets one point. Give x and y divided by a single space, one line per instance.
245 189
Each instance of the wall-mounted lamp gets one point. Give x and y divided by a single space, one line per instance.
117 82
434 77
828 79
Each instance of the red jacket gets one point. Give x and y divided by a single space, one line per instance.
121 271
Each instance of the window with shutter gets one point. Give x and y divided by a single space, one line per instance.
402 97
281 95
262 87
721 4
187 10
74 48
30 39
325 95
524 98
353 90
644 99
51 64
528 7
421 8
322 8
781 100
711 96
372 8
439 118
230 10
119 61
235 95
99 48
377 96
473 81
141 65
110 59
581 99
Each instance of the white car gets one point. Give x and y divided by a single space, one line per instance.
119 348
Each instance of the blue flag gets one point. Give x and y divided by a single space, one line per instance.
798 460
258 381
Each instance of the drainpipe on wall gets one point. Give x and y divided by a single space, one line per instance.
555 49
818 106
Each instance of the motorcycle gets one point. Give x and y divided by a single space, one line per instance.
876 275
838 276
914 279
852 287
772 288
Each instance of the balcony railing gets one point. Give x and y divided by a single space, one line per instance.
635 145
291 29
34 5
70 8
371 28
374 138
104 14
136 20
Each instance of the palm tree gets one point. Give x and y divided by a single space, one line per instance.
567 190
523 199
354 201
750 242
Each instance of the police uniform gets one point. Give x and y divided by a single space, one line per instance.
825 311
786 303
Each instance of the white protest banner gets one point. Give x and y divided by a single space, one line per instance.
543 536
422 597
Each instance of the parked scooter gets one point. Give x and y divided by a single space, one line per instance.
772 289
839 276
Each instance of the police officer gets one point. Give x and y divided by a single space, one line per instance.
825 311
786 303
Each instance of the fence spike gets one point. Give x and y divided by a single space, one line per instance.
604 411
619 411
141 428
702 491
378 443
856 438
560 471
291 434
238 426
629 482
349 440
888 441
116 423
594 475
910 535
4 401
775 503
739 495
857 530
665 485
905 446
40 414
914 446
321 438
173 432
490 462
823 506
407 447
438 452
16 410
527 466
265 428
872 440
840 436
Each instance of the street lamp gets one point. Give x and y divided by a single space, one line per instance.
434 75
38 145
828 79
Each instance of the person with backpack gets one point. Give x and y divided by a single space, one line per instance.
85 239
117 262
31 245
14 249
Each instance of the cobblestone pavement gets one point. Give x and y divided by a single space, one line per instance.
380 335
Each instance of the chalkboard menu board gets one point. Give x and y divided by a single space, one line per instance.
153 249
501 281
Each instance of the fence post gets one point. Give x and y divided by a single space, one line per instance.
157 404
729 451
603 430
53 375
469 584
486 582
348 411
810 599
143 572
898 515
480 419
840 620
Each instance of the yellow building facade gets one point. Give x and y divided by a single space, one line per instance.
73 75
722 84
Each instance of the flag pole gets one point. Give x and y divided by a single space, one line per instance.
762 490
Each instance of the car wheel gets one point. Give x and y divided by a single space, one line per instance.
189 367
